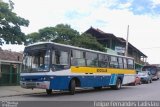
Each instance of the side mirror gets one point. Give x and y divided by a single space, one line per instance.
149 73
53 68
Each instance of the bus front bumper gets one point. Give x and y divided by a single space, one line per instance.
33 84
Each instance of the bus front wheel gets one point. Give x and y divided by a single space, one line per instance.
49 91
72 87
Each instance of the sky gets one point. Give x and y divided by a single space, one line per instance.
111 16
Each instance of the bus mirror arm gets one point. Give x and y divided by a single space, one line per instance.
53 68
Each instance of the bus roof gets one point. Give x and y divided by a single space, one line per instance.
74 47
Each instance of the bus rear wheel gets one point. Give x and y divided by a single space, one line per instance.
49 91
72 87
118 85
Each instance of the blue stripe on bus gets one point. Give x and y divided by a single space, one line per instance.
113 79
62 82
85 81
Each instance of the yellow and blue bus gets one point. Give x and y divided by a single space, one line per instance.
54 66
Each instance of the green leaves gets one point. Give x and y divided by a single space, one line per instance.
66 35
87 41
10 24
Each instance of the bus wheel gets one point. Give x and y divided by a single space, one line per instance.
140 83
118 85
72 87
49 91
97 88
148 81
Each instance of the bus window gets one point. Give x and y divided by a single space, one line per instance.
92 59
59 60
77 58
53 57
125 63
113 62
120 61
36 61
103 60
130 64
64 58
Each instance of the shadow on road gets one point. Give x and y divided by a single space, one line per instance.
78 91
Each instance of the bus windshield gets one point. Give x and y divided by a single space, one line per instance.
36 61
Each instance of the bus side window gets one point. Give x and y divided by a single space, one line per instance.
92 59
53 57
64 58
125 63
130 64
77 58
103 60
60 57
113 62
120 61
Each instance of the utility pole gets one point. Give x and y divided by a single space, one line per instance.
126 51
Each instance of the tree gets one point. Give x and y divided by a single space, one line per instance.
66 35
60 33
47 34
32 38
87 41
10 24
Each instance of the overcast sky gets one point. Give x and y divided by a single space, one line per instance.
111 16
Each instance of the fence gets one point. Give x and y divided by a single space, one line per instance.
9 79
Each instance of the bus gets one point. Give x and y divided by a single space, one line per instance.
53 66
155 71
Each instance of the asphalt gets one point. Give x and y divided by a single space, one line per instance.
6 91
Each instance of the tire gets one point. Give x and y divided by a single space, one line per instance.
72 87
148 81
140 83
118 85
134 84
97 88
49 91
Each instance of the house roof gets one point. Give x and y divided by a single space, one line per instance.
8 55
103 36
100 34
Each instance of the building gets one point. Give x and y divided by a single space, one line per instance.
118 44
10 67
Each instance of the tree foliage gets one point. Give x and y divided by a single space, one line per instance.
66 35
87 41
10 24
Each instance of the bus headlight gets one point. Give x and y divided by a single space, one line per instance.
51 77
45 79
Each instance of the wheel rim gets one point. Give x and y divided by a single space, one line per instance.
119 84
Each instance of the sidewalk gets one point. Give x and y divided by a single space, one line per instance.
17 90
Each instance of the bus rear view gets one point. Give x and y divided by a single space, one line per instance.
154 71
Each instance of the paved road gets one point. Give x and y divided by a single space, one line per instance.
145 92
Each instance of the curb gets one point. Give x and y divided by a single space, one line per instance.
20 94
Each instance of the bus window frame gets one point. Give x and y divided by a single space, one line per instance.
74 58
101 60
88 59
